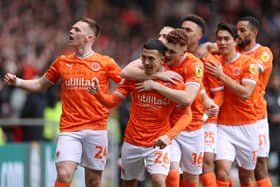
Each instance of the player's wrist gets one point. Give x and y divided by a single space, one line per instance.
155 86
18 82
155 76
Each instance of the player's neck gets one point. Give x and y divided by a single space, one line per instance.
250 46
192 48
83 51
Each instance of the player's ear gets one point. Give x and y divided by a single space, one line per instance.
90 37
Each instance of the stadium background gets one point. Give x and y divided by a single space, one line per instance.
33 33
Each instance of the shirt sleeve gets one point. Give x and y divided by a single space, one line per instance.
181 123
264 58
210 81
52 75
113 70
194 72
251 71
117 96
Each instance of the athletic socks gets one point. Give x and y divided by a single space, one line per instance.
208 180
173 179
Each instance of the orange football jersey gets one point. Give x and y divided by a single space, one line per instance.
264 57
149 113
236 111
191 69
81 110
214 87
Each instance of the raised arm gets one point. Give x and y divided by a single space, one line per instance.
134 71
206 47
34 85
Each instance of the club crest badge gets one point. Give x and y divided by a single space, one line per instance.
265 57
198 71
253 68
95 66
236 71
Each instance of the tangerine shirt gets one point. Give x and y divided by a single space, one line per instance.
235 111
214 87
191 69
264 58
149 114
81 110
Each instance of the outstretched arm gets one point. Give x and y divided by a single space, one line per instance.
34 85
108 101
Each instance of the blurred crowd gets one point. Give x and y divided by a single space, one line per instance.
33 33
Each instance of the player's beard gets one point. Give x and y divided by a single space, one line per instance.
244 42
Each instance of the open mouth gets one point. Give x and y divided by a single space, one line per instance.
71 38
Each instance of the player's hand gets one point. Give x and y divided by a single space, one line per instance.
162 141
201 51
212 110
94 87
214 69
10 79
169 76
145 85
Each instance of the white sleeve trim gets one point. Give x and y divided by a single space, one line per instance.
179 106
122 81
249 80
203 91
192 83
260 68
119 94
217 89
48 80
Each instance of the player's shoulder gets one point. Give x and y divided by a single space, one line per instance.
212 58
62 59
264 53
192 57
66 57
191 60
263 48
102 58
244 57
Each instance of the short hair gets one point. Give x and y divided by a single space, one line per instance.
253 21
156 45
178 36
197 20
92 24
227 27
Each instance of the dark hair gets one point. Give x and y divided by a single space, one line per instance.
155 44
197 20
254 22
178 36
92 24
227 27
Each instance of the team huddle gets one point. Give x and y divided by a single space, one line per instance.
196 109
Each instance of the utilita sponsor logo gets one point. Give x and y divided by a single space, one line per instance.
77 83
152 100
